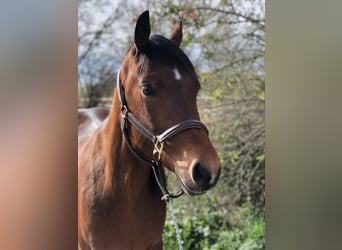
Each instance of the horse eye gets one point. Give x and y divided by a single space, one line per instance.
148 90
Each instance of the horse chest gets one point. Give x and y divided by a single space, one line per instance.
130 226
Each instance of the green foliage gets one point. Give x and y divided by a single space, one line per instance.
233 108
213 230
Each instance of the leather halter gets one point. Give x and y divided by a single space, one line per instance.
157 140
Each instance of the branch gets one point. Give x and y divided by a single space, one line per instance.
259 22
98 34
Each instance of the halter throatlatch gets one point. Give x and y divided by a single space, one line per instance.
157 140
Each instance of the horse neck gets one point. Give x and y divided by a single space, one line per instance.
124 173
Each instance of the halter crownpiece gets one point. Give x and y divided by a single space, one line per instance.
157 140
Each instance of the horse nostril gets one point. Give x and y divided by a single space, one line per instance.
201 176
215 177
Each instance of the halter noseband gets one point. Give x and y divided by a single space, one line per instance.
157 140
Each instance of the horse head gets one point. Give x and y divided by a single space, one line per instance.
160 86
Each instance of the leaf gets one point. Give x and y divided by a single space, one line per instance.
260 157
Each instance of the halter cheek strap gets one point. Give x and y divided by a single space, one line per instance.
157 140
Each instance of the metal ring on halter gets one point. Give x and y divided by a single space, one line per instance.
167 197
124 110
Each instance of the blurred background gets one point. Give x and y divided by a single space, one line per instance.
225 39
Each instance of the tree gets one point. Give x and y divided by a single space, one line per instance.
102 43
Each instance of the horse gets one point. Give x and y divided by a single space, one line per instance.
153 123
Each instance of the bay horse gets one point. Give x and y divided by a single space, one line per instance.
121 192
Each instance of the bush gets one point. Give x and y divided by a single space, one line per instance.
213 230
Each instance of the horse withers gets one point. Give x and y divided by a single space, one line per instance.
153 116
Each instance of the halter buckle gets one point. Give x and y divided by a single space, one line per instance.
124 111
158 149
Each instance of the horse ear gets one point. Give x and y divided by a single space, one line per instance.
177 34
142 31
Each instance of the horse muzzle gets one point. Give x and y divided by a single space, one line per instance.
201 179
